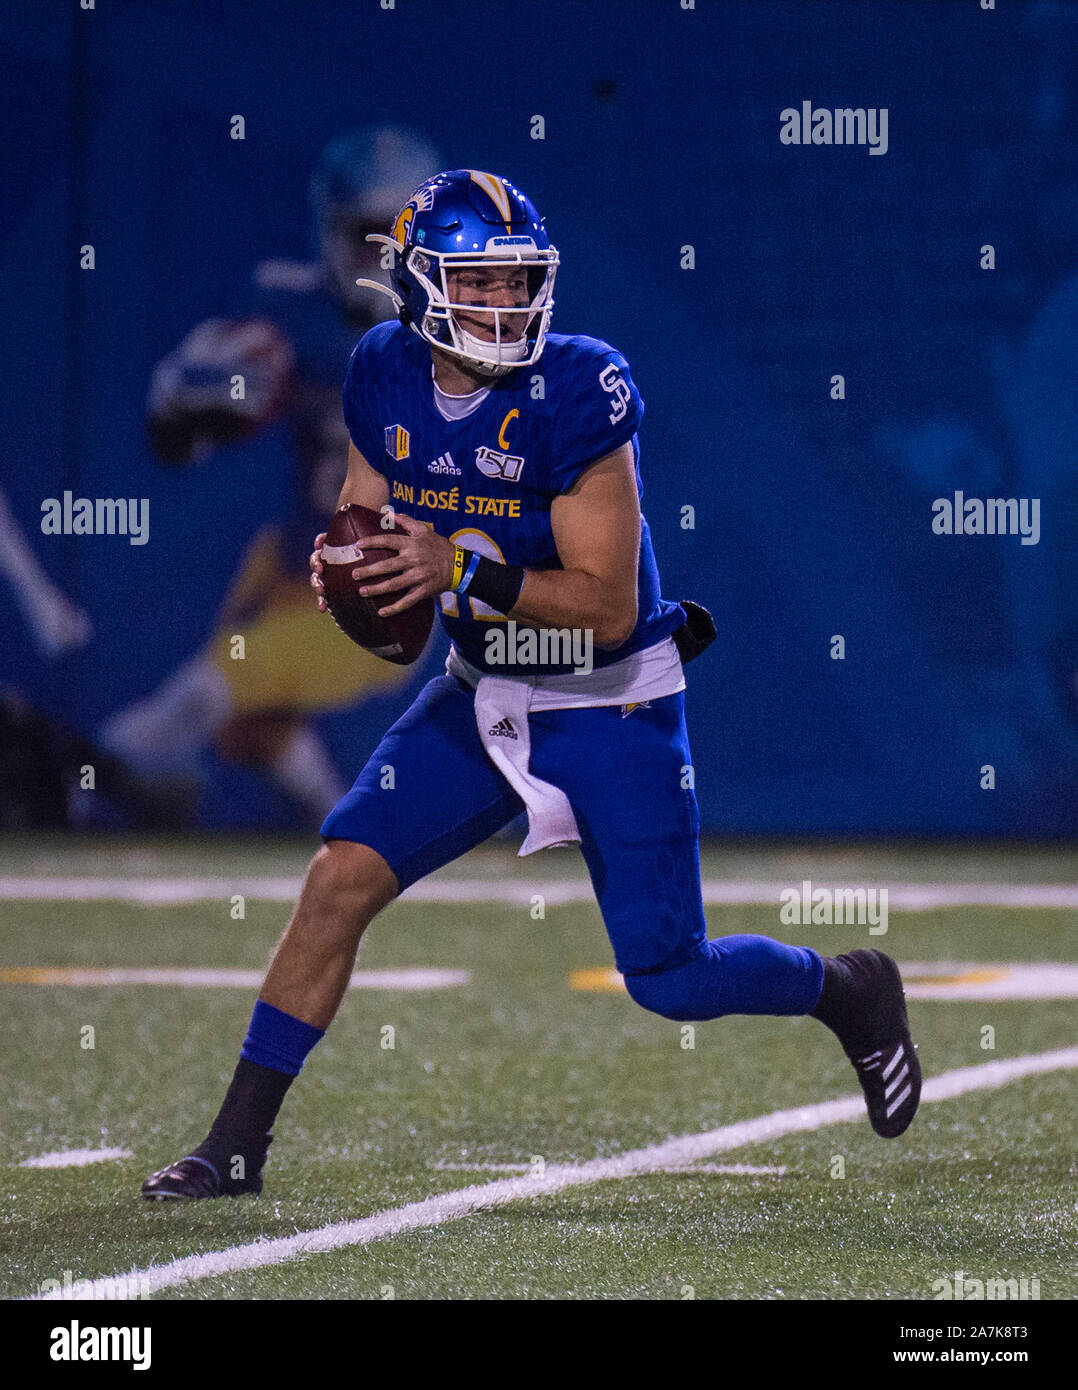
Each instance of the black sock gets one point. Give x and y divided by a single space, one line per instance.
250 1108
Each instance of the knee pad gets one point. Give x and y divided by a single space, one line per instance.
670 993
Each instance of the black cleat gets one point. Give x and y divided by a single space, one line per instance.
198 1176
865 1006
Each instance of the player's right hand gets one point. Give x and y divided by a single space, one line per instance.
315 563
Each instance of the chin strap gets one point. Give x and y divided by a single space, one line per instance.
511 352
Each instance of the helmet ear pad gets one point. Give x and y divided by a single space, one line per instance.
413 300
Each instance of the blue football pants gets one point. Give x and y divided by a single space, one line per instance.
429 793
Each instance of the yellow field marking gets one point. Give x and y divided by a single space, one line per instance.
607 981
982 976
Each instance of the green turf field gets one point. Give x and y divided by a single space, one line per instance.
513 1067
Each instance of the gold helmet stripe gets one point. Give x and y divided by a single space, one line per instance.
495 190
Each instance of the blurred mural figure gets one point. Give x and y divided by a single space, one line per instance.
1037 379
56 624
43 760
283 361
37 770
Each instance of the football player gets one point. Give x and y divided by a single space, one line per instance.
290 346
512 454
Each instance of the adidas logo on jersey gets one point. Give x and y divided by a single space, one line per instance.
503 729
443 464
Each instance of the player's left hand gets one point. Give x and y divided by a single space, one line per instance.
422 565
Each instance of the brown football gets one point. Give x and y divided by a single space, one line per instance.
399 639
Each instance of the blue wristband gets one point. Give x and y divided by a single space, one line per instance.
462 587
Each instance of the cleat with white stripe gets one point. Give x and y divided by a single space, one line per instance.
875 1034
890 1075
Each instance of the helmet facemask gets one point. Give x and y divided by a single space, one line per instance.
519 330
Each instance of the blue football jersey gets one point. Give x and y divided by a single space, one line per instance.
487 481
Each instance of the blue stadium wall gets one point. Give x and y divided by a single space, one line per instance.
812 515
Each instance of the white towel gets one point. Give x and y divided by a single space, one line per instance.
501 715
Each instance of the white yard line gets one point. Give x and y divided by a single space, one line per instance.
984 981
417 977
168 892
74 1158
691 1148
164 892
